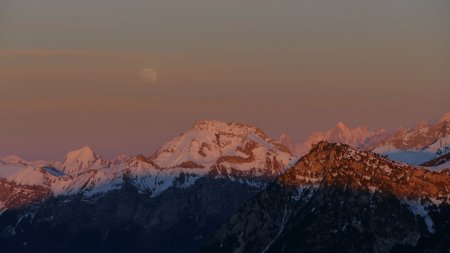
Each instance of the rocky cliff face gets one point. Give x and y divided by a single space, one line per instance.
14 195
342 200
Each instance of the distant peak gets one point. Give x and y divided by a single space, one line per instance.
80 160
120 159
445 117
286 140
341 125
285 137
13 159
227 127
83 154
84 150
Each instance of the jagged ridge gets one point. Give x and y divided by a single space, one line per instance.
210 148
340 199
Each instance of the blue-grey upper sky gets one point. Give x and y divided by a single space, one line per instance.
69 70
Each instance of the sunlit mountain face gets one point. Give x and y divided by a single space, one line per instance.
224 126
337 198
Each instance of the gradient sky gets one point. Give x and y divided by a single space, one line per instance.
69 70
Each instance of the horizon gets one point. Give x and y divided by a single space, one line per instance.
276 138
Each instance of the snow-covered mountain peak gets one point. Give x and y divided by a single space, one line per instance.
341 126
216 143
84 154
82 159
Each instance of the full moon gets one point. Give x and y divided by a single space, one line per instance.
148 75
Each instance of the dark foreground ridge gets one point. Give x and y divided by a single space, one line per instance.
338 199
124 220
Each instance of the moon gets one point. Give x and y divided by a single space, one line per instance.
148 75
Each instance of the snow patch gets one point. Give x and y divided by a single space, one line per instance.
413 157
22 174
420 209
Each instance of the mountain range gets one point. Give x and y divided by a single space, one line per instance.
183 192
228 187
415 145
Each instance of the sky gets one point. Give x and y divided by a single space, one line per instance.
70 70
